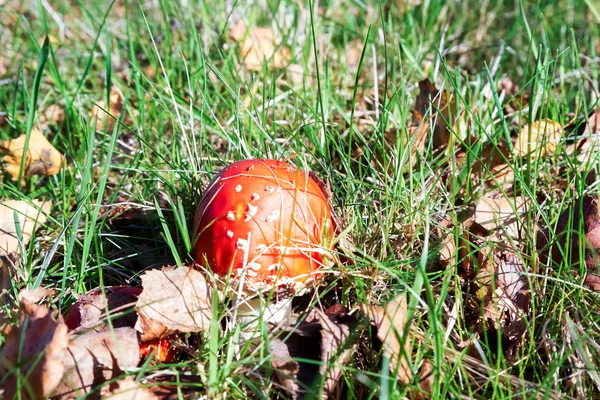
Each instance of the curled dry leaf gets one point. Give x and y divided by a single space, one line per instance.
31 215
322 337
98 113
174 300
33 350
390 322
95 357
257 45
499 212
41 157
539 139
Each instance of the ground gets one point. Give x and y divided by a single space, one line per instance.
456 139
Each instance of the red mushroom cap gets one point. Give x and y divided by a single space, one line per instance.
265 220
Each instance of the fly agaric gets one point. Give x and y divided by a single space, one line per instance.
266 228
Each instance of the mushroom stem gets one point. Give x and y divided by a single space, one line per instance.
249 312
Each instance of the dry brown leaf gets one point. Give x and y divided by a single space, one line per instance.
321 337
36 295
89 311
426 377
491 165
285 366
41 159
516 100
30 215
295 73
7 264
390 321
54 114
554 242
3 67
507 304
354 51
94 357
539 139
257 45
440 108
100 117
499 294
592 281
174 300
36 345
588 146
414 140
497 211
128 389
334 352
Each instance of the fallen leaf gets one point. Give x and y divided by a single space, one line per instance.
413 140
592 281
577 227
426 377
491 166
174 300
92 358
41 157
323 338
390 321
30 215
100 114
295 73
54 114
3 67
89 311
354 51
334 352
497 211
516 99
539 139
286 367
588 146
33 350
500 296
440 108
257 45
36 295
128 389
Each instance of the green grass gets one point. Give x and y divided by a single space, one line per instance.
190 108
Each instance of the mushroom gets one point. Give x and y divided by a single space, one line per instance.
266 229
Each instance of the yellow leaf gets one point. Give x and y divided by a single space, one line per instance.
540 138
30 215
42 158
257 45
